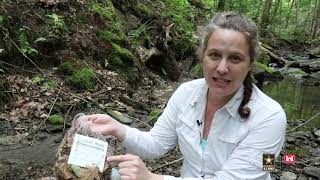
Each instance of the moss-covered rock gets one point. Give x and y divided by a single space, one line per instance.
263 57
113 37
55 119
315 52
66 69
83 79
263 66
124 54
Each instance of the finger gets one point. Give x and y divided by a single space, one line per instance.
128 164
124 172
125 177
100 120
121 158
92 117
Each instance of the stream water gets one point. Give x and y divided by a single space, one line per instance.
300 102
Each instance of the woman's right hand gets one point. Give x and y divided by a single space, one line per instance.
106 125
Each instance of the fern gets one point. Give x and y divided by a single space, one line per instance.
24 44
57 23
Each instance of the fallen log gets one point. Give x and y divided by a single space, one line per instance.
280 60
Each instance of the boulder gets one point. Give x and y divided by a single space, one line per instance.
314 53
288 176
312 171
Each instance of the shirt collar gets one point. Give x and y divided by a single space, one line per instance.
234 103
200 95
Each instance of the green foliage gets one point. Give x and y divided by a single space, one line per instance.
56 119
83 79
290 107
154 115
107 11
40 39
196 71
182 14
301 151
47 84
24 43
57 24
50 85
37 80
1 21
113 37
140 35
143 10
66 69
124 54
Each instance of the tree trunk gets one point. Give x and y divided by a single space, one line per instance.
316 19
241 7
258 7
265 16
221 5
288 16
297 18
276 7
305 24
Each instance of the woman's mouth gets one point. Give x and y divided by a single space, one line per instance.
221 82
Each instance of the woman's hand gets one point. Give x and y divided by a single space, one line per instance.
106 125
131 167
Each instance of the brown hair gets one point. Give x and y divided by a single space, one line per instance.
240 23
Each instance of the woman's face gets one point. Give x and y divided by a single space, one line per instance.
226 62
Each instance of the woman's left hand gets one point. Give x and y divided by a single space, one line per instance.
131 167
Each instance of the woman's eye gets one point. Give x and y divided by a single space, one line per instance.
214 55
235 59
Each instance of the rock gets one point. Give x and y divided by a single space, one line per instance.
300 135
295 72
120 117
315 152
312 171
315 52
10 140
290 140
317 133
302 177
288 176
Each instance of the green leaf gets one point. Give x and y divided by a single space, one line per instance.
40 39
37 79
50 85
1 51
75 170
154 115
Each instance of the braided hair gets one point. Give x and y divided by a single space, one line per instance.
240 23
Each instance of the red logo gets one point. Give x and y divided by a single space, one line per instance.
289 158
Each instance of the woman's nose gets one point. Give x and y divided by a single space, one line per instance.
222 67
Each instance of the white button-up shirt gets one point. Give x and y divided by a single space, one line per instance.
234 145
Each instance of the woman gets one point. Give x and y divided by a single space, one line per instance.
223 124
